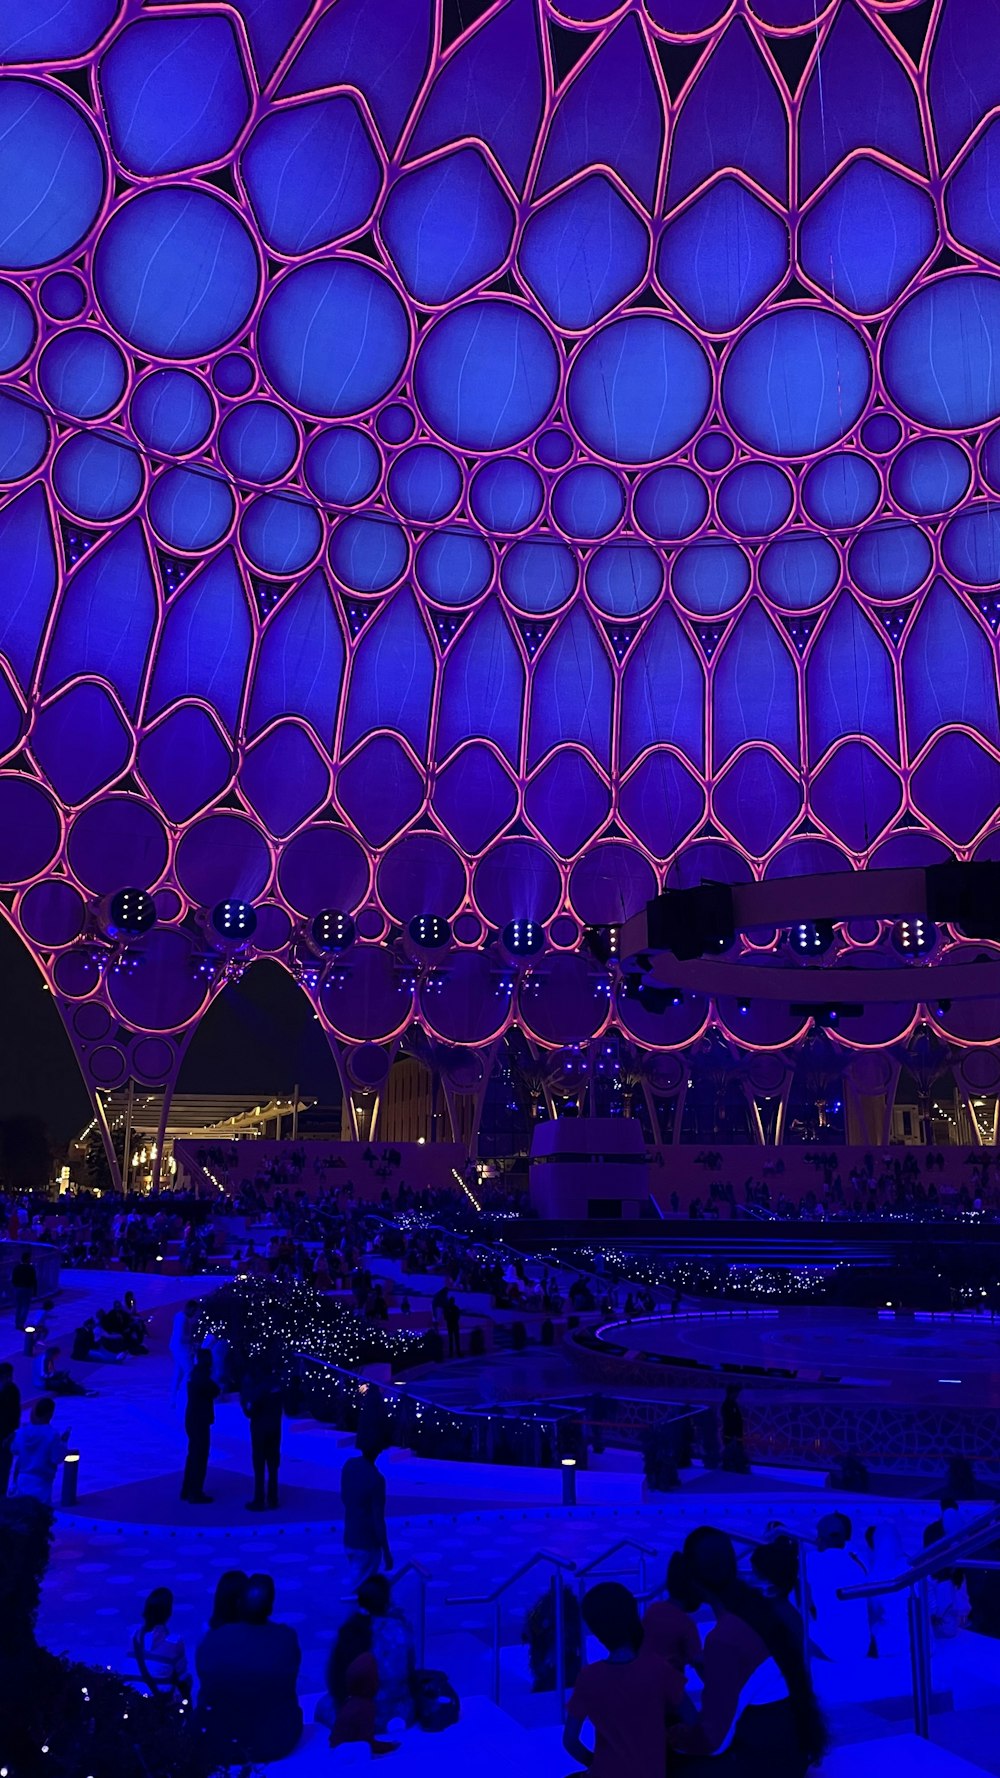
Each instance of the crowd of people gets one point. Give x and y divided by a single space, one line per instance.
739 1700
244 1678
915 1187
714 1670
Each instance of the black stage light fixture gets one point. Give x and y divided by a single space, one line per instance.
522 938
429 932
692 922
131 912
235 921
602 942
652 998
966 895
914 936
332 930
811 938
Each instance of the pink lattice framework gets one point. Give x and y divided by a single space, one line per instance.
486 463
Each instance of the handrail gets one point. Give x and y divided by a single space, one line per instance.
624 1543
560 1567
642 1550
985 1529
525 1568
423 1580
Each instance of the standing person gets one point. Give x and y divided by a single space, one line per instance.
261 1400
10 1420
669 1630
24 1279
198 1419
452 1318
775 1566
37 1450
840 1627
734 1455
629 1697
362 1492
757 1712
182 1347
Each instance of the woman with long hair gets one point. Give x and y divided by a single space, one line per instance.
159 1657
230 1599
352 1683
758 1711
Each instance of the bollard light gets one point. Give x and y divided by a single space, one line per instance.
568 1467
70 1476
29 1342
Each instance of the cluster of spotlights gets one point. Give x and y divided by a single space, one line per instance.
130 913
234 921
429 932
914 937
332 931
522 938
811 938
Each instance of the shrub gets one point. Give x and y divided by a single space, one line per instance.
88 1720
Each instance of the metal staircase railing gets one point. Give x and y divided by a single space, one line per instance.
560 1568
956 1549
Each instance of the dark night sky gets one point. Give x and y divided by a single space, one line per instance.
259 1037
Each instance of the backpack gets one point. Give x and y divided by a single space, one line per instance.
436 1700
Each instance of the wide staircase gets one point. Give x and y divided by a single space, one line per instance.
933 1712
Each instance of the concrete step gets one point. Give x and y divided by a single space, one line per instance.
905 1754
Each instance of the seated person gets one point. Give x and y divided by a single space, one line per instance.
91 1346
669 1630
159 1657
229 1603
248 1706
118 1326
352 1683
393 1645
758 1713
45 1374
628 1697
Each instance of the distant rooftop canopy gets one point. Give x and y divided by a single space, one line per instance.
467 466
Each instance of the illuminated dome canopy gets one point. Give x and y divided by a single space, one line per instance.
478 469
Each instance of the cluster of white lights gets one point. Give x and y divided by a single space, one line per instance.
293 1318
811 938
914 937
523 938
737 1280
429 931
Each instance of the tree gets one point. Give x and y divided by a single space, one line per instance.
25 1156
